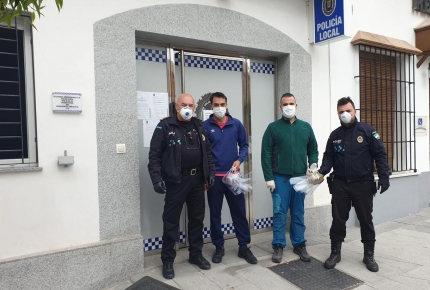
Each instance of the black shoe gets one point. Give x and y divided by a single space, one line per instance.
168 272
369 259
247 255
277 255
335 255
218 254
301 251
201 262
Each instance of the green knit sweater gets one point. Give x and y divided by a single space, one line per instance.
287 147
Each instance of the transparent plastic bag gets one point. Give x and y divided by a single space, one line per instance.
236 183
301 184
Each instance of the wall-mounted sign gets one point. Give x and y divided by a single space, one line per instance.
329 20
421 6
66 102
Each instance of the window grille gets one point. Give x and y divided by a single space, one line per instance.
387 102
17 114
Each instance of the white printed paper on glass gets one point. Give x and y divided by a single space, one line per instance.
151 108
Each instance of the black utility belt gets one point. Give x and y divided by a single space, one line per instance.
191 171
339 177
344 179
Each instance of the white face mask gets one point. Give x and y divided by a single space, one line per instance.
289 111
186 113
219 112
345 117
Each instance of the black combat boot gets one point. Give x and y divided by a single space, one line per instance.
301 251
334 255
369 259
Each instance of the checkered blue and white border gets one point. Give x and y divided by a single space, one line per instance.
263 68
152 244
181 237
156 243
155 55
263 223
149 54
212 63
206 233
227 229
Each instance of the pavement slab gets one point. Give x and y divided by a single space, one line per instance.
413 283
263 278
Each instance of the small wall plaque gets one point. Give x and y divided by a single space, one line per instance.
66 102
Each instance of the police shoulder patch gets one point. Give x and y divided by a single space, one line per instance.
376 135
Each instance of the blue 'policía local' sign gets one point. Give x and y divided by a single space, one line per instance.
329 20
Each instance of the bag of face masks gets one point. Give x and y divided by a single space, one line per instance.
301 184
236 183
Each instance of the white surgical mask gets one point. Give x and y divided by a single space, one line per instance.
289 111
219 112
186 113
345 117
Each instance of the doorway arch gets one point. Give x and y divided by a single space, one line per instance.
115 87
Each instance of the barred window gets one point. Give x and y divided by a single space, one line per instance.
387 102
17 102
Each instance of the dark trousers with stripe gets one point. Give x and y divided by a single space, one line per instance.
236 203
190 191
357 194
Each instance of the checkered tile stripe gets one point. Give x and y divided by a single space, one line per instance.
206 233
149 54
155 243
181 237
227 229
210 63
263 68
155 55
213 63
152 244
263 223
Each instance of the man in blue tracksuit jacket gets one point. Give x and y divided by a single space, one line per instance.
226 134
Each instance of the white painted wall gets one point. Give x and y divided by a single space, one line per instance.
58 207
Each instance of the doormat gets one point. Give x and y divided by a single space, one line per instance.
313 276
149 283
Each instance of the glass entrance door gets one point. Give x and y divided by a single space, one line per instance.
200 75
171 72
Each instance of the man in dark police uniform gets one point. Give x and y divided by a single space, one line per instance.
352 150
180 166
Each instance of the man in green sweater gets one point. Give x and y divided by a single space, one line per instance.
288 146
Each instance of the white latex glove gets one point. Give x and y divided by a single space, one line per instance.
314 177
313 168
270 184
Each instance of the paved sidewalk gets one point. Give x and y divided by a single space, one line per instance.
402 251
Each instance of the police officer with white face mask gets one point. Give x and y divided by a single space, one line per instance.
180 166
352 150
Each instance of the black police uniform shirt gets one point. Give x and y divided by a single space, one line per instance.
352 151
191 154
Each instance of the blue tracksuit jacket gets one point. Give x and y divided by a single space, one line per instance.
225 143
